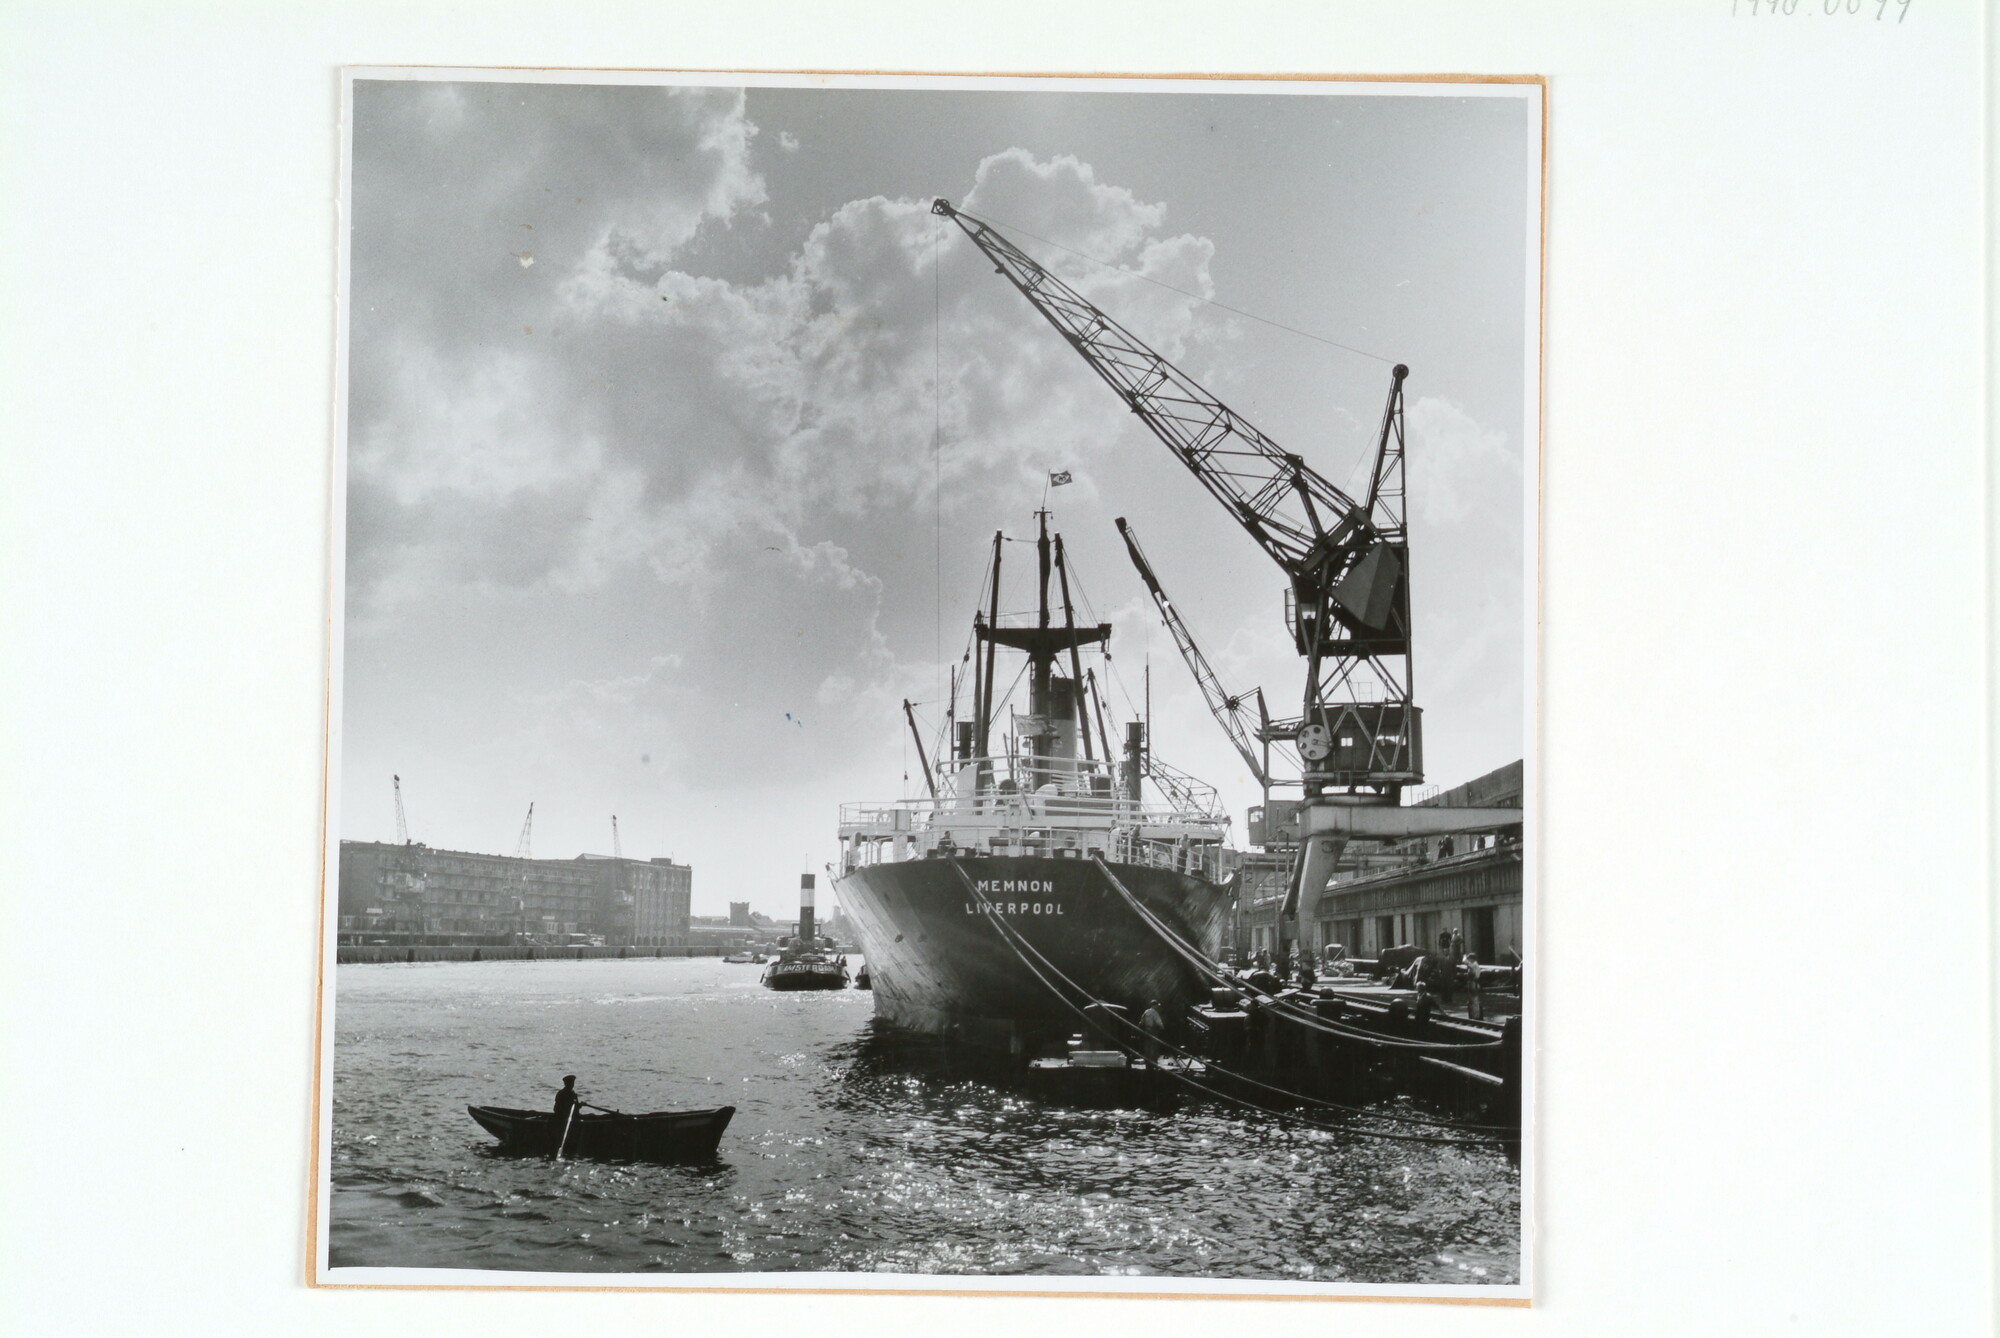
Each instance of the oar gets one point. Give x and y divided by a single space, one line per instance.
606 1109
566 1124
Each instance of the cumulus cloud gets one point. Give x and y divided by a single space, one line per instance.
616 413
485 443
668 484
608 409
1456 465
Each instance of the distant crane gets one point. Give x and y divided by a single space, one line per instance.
523 848
402 823
404 881
617 851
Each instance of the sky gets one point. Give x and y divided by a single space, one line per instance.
678 430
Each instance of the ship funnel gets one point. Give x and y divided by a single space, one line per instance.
805 908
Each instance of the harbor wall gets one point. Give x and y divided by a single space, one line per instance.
363 954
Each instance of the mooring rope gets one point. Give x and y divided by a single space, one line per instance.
1022 948
1012 938
1196 958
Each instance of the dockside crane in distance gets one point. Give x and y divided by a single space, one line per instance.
524 849
402 823
406 877
1346 561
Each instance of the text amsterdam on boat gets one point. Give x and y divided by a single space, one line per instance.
807 961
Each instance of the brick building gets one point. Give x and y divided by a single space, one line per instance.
414 894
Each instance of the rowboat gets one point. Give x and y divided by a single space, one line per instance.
663 1135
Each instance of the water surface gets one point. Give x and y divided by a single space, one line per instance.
852 1149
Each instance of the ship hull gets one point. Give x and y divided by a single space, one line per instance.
939 964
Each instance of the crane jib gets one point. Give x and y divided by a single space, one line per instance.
1348 604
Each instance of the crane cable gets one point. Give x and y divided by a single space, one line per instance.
1147 278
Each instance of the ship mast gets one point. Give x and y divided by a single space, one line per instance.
1051 713
1042 661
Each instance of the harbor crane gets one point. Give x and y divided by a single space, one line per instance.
523 849
1228 710
1359 733
402 823
406 876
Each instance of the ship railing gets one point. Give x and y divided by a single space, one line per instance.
1005 809
1203 859
1021 774
1035 824
1087 780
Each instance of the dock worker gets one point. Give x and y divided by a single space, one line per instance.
1410 976
566 1100
1154 1023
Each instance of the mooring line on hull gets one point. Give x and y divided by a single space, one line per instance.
1018 941
1287 1011
1010 936
1021 948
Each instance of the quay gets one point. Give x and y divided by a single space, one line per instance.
1357 1046
358 954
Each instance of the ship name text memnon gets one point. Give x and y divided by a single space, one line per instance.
987 887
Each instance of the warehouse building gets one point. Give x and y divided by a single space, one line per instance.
1390 893
412 894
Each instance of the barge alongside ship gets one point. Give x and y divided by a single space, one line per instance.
986 907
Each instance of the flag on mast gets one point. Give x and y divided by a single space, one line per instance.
1058 477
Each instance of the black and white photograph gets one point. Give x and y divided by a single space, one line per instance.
933 685
882 670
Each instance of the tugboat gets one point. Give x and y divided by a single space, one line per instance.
807 961
1039 871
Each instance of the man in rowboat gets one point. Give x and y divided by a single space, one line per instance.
566 1100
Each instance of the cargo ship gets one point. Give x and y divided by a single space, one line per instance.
1042 876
